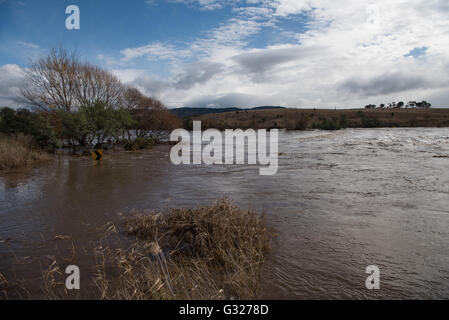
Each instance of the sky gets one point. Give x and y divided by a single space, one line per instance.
243 53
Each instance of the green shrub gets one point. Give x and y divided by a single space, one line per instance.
343 121
370 123
301 124
188 124
23 121
138 144
327 124
94 124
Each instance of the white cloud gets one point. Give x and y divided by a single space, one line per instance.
28 45
155 50
204 4
353 52
350 53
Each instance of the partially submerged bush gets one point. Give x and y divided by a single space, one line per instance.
212 252
94 124
206 232
138 144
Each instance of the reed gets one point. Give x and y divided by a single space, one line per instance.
18 152
212 252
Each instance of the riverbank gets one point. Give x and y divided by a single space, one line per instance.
302 119
21 152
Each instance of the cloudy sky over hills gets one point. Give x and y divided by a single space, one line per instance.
244 53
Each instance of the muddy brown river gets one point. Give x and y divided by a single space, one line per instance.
341 201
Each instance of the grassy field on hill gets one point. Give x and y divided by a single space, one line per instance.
302 119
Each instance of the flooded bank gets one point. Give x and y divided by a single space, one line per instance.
341 201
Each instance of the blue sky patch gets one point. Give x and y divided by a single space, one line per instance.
417 52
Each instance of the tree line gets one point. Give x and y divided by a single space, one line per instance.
400 105
77 104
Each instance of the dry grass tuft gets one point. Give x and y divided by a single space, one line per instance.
18 152
212 252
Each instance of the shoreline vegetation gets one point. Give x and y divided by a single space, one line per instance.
20 152
28 137
78 106
214 252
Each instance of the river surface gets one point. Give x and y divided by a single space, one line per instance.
341 201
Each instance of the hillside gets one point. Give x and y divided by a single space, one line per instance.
300 119
191 112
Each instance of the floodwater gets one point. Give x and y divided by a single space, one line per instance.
341 201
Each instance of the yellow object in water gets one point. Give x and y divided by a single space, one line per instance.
97 154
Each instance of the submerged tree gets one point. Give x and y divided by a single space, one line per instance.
95 124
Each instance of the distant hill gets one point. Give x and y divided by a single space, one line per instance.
193 112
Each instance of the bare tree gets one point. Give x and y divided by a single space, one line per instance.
60 81
132 99
95 84
151 116
51 81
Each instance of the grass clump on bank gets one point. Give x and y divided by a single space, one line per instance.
18 152
213 252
